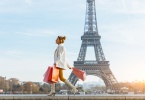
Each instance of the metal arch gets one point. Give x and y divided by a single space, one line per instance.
98 73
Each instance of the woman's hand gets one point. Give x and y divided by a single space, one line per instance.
54 64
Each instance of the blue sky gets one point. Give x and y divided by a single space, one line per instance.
28 29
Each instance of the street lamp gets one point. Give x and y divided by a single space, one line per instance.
22 87
143 86
31 89
5 85
11 85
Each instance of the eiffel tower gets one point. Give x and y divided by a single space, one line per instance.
91 38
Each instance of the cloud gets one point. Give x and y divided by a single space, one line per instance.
129 32
3 33
122 6
27 6
23 6
11 52
123 2
137 7
39 32
28 1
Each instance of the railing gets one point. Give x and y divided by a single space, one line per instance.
74 97
91 62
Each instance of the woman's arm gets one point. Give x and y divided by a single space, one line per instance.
59 55
68 64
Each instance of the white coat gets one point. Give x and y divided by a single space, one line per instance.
60 58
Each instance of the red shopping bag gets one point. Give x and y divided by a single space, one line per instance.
47 74
79 73
51 75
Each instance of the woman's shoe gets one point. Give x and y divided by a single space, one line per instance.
51 94
74 90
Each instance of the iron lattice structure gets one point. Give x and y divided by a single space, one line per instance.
99 67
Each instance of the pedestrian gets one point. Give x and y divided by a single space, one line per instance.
60 61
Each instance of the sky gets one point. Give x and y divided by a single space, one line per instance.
29 28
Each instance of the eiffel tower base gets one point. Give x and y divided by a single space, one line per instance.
100 69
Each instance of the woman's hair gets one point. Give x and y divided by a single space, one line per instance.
62 38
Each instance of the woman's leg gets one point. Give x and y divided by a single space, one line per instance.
66 82
53 88
61 75
52 93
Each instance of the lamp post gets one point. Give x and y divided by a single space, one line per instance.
11 85
22 87
5 85
143 86
31 89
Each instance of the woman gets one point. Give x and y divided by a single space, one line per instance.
60 61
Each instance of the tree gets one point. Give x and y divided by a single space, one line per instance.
45 88
13 84
2 83
29 87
